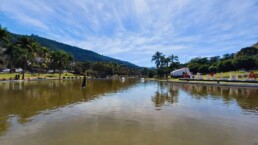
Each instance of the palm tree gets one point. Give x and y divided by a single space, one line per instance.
42 59
13 55
4 35
166 61
26 43
173 58
60 60
157 58
28 53
174 62
4 41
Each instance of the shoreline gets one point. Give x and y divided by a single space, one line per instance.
210 84
52 79
36 79
148 79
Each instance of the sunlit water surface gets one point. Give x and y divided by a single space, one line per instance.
112 112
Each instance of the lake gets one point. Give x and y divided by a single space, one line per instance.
130 112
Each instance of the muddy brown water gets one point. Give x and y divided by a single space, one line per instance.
130 112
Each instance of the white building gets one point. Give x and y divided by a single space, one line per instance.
180 72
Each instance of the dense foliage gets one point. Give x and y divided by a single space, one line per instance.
79 54
246 59
104 69
165 64
33 54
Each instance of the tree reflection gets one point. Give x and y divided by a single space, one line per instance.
165 95
246 98
26 99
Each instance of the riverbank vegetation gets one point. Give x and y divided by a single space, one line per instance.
242 61
35 59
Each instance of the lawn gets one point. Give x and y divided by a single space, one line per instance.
8 76
233 73
218 76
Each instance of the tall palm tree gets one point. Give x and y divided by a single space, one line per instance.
28 53
42 59
60 60
166 61
26 43
4 35
173 58
173 61
157 58
13 55
4 41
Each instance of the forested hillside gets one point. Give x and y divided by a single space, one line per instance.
79 54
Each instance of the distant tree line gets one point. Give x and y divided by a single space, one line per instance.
104 69
24 52
246 59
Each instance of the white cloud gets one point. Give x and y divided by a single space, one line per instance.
135 29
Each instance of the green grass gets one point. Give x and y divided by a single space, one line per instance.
224 75
8 76
234 73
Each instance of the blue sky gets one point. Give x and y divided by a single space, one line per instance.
133 30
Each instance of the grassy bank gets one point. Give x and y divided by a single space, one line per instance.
234 73
11 76
218 76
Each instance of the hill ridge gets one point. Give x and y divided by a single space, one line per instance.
78 53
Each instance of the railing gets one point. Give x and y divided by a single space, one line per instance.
218 81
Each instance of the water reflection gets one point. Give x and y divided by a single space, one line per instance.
165 95
26 99
111 112
246 98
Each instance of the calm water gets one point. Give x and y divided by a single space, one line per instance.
110 112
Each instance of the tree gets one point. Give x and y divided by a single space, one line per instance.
256 60
174 64
226 65
145 72
28 52
247 52
4 35
60 60
13 53
246 63
199 64
166 61
42 59
214 59
157 58
152 73
228 56
204 69
4 40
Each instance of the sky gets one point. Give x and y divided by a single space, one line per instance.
133 30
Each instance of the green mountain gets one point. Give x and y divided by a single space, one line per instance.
248 51
255 45
78 53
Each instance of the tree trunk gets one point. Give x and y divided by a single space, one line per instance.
23 71
60 72
38 73
11 68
